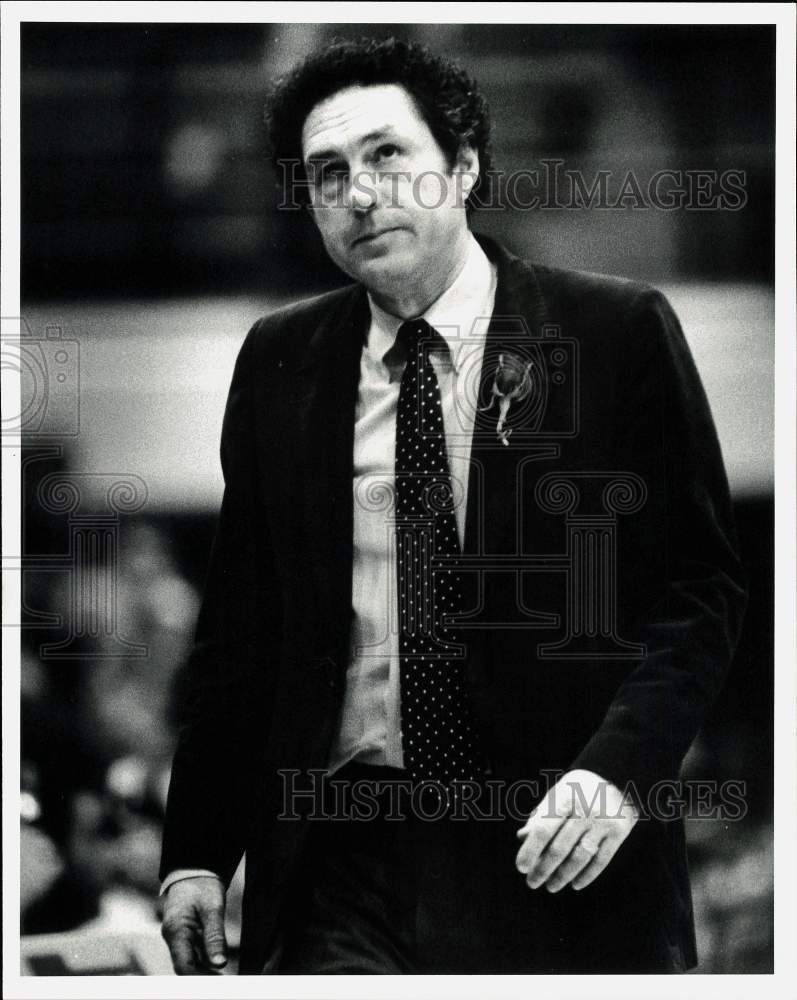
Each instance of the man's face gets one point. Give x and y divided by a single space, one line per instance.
388 206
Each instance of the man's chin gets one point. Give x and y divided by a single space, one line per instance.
385 273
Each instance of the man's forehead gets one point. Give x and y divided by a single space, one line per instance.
355 113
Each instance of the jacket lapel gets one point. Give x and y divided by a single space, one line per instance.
519 314
324 408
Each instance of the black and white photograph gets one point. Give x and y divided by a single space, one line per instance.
398 499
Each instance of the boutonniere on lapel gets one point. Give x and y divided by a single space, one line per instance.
511 383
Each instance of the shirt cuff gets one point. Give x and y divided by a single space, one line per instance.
180 873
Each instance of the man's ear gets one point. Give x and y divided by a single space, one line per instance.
467 167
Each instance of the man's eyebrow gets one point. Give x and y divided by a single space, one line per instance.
381 133
327 155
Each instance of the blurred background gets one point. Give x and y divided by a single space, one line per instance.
151 241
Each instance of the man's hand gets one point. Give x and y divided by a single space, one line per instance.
193 926
574 832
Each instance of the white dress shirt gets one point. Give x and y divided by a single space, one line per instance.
369 726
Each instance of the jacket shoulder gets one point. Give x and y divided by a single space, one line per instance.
626 317
585 303
289 329
568 290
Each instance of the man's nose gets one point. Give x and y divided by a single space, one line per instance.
363 191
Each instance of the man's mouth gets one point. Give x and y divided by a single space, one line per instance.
369 237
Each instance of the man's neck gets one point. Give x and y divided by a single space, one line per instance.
420 294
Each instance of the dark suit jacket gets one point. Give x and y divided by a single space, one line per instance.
613 468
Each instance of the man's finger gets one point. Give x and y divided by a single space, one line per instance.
539 832
580 857
552 808
606 852
557 851
213 939
182 952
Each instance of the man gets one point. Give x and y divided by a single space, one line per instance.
476 535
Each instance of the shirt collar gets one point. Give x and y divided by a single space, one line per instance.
468 298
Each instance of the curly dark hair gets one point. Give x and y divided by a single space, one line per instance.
447 98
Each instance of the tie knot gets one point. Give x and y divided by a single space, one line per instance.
415 332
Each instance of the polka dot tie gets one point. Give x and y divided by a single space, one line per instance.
439 739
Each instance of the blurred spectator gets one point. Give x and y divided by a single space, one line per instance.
97 739
129 698
53 895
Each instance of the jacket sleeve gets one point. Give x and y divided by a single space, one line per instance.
224 710
691 626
